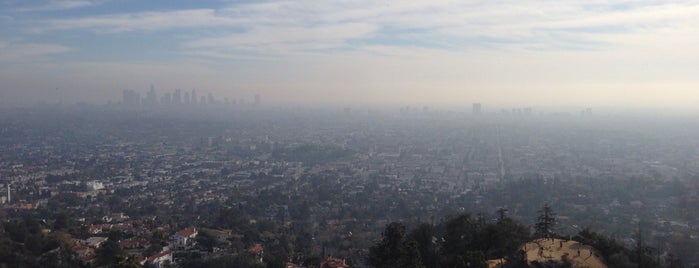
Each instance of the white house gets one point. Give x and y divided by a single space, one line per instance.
185 237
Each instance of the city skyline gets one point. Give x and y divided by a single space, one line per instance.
174 98
622 53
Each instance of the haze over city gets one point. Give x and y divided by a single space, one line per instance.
349 133
522 53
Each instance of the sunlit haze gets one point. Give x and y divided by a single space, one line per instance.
631 53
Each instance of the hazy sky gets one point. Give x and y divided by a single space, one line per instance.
523 52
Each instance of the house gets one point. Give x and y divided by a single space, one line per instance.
95 241
257 251
134 242
331 262
185 237
94 229
221 236
158 260
293 265
84 253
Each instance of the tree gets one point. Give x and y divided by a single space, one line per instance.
545 222
516 260
461 233
206 241
153 249
643 252
123 261
62 222
395 249
474 259
424 235
503 238
109 251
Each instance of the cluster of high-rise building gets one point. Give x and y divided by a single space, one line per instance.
133 98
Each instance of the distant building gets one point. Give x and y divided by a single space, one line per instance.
476 108
151 96
166 99
258 100
177 97
194 96
211 98
131 98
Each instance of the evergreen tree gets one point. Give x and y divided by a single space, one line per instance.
545 222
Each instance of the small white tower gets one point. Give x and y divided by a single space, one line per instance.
8 193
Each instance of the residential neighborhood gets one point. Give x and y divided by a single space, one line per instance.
292 188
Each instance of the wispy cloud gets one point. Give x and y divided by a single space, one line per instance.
458 25
26 52
58 5
290 38
142 21
277 27
358 47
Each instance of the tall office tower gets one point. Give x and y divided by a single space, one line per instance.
177 97
151 97
476 108
9 199
211 98
194 96
202 101
186 97
166 99
125 97
257 99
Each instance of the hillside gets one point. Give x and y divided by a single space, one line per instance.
544 250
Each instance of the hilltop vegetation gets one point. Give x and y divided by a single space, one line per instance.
460 240
464 240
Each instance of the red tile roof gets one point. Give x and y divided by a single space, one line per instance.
154 257
257 249
187 232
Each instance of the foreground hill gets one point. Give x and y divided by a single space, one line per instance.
541 251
